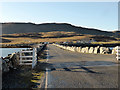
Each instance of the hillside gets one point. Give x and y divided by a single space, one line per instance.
10 28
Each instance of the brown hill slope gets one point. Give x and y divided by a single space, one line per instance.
10 28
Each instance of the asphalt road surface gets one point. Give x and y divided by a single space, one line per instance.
67 69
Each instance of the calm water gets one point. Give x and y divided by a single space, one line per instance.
111 47
5 51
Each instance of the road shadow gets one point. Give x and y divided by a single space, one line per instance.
82 66
50 57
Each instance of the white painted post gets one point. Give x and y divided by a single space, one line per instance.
118 52
34 62
33 57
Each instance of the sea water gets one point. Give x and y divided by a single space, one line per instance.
5 51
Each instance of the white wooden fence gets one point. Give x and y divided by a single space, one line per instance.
30 59
118 52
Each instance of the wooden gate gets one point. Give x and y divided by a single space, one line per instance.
28 57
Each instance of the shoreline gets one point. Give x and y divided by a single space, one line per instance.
65 44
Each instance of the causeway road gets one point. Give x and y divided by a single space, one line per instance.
67 69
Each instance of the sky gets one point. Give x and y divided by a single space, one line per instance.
99 15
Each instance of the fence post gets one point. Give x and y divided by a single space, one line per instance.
118 52
34 57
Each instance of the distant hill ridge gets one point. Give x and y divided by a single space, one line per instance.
10 28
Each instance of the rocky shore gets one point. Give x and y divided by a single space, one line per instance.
12 60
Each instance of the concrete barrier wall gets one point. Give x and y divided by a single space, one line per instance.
95 50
